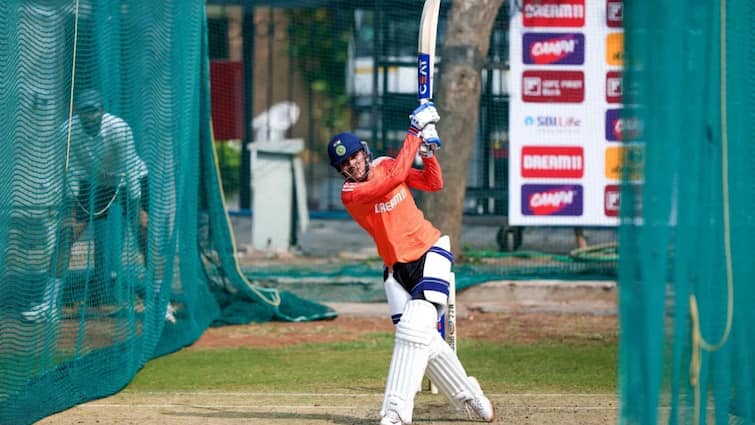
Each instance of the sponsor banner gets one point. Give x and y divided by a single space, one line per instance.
614 125
552 199
620 127
615 13
571 137
614 87
553 161
625 162
553 86
565 123
553 48
612 200
553 13
615 49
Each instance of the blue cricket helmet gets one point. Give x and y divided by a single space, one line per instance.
343 145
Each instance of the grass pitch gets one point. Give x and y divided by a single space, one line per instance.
362 366
536 369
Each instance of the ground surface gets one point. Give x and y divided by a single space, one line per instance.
495 327
318 409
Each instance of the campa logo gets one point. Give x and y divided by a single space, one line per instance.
550 199
553 48
623 125
553 13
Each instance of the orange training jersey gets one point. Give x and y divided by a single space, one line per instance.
384 206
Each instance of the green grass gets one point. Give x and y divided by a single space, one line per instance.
362 366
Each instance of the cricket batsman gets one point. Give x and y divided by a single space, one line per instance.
417 259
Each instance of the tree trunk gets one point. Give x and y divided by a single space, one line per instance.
458 99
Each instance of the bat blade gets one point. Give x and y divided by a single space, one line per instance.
451 314
428 29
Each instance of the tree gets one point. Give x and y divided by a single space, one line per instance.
466 45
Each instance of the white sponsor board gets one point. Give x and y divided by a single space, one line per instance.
565 147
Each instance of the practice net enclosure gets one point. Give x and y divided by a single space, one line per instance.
114 237
688 225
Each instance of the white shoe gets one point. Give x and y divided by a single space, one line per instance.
480 404
170 313
391 418
39 313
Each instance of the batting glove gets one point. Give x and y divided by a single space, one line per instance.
430 140
425 114
427 151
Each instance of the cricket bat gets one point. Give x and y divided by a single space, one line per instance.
428 29
451 313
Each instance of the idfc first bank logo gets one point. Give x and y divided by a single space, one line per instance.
550 199
553 48
614 13
553 13
553 86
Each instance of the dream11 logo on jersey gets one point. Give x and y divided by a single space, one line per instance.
553 13
551 199
553 48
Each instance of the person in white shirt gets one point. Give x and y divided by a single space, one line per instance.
103 170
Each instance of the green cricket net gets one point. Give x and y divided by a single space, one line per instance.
686 271
110 254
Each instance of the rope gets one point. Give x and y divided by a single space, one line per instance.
599 252
73 83
275 297
69 127
107 206
698 341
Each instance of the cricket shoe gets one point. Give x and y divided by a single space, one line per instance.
480 404
391 418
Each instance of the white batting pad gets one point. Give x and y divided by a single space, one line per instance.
445 371
437 271
397 297
411 350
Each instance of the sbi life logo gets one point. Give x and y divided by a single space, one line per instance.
552 121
